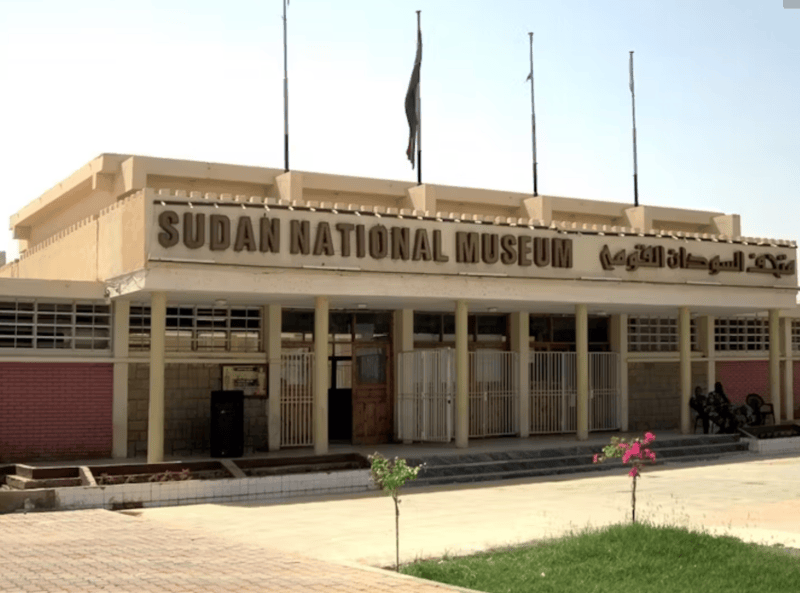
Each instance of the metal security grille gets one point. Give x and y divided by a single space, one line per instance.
197 328
651 333
554 391
604 404
493 393
48 325
297 399
741 333
426 387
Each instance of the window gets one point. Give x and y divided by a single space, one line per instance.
746 333
557 332
652 333
197 328
441 327
49 325
343 326
297 326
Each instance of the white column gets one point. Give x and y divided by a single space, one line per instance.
619 344
788 367
155 419
321 376
403 342
705 333
775 363
582 369
119 405
520 343
272 340
403 330
685 352
462 376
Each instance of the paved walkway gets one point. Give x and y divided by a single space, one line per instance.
755 500
97 550
319 545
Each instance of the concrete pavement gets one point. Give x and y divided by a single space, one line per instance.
97 550
755 500
333 544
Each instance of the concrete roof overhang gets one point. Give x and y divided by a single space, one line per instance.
297 288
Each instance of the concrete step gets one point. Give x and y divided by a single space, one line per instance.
23 483
490 466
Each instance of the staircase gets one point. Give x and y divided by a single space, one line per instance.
503 465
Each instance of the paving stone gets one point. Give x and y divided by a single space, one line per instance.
97 550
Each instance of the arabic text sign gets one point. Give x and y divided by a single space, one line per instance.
657 256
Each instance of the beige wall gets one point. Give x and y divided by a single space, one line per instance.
83 203
108 177
187 410
10 270
71 255
121 231
654 394
102 247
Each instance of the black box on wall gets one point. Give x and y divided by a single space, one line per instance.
227 423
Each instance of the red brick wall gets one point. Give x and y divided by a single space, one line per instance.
55 410
744 377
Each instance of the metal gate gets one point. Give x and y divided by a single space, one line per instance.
297 399
554 390
426 387
493 393
604 404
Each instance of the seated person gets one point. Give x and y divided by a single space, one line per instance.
721 392
698 403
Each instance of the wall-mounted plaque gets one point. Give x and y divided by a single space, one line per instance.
252 379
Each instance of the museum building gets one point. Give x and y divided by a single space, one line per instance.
151 293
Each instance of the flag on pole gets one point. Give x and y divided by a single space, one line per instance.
412 99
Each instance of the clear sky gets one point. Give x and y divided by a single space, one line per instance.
717 94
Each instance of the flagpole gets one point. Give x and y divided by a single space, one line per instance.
285 96
635 164
533 123
419 115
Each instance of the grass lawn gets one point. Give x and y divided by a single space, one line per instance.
631 557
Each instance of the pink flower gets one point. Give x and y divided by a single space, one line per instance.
626 456
649 437
635 449
634 472
594 459
623 446
650 455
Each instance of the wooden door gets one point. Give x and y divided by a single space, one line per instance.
372 405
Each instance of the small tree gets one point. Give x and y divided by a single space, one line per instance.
633 452
390 476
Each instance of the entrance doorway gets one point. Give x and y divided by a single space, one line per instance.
359 396
372 405
340 397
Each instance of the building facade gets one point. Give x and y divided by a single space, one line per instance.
368 311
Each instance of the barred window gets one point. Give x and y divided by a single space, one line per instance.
746 333
198 328
49 325
796 335
652 333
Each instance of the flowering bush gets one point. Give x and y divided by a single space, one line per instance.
390 475
634 453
